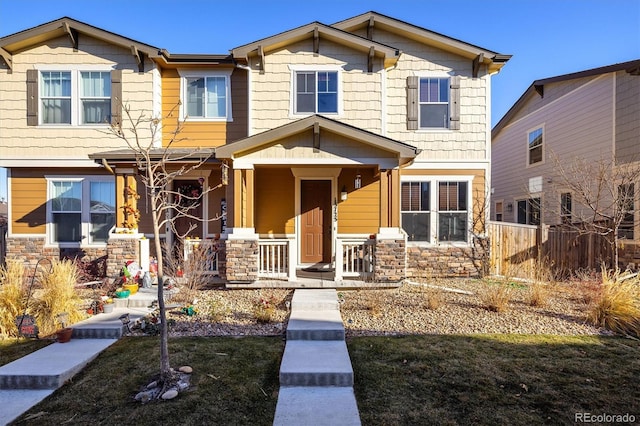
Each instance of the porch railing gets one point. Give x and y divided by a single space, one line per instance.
274 259
202 256
354 258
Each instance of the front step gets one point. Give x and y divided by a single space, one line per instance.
315 325
315 300
51 366
106 326
316 363
316 406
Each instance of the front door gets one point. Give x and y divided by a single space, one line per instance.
189 189
315 221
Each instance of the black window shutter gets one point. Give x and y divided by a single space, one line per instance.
454 115
412 102
32 97
116 97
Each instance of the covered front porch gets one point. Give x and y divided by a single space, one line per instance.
314 203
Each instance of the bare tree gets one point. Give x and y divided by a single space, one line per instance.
158 167
603 196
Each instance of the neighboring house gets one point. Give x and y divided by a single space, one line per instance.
361 148
593 115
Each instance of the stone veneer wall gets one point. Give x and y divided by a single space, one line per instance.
120 251
241 263
389 264
428 262
31 249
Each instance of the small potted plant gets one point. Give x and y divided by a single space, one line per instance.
63 334
107 305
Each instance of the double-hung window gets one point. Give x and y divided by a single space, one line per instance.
316 91
626 200
206 96
535 146
80 210
433 102
566 208
70 97
434 210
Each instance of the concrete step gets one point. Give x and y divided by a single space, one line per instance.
51 366
315 300
316 406
315 325
316 363
107 326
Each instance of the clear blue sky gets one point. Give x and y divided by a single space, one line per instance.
546 37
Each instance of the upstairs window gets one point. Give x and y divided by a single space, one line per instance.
206 96
433 103
73 97
535 141
316 92
626 199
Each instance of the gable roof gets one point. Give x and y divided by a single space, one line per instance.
371 20
17 42
631 67
405 152
317 30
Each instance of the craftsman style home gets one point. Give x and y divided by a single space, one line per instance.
591 115
360 149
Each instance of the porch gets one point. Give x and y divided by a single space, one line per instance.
275 265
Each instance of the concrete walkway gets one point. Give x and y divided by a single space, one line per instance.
316 377
28 380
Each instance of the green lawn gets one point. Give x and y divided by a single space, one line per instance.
412 380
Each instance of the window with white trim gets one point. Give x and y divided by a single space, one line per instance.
72 97
316 92
80 210
626 200
499 208
206 96
535 146
434 210
566 208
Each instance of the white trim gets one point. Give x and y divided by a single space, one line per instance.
383 163
191 73
447 164
157 104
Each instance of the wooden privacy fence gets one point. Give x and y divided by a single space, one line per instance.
527 251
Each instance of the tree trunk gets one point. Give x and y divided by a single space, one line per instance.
165 368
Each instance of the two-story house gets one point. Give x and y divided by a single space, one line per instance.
361 149
592 117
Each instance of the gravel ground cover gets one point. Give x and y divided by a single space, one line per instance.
398 311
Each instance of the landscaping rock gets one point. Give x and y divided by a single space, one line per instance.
185 369
170 394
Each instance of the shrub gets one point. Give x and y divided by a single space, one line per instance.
495 296
264 308
538 294
58 295
13 295
617 306
434 299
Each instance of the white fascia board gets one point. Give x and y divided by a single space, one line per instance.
46 162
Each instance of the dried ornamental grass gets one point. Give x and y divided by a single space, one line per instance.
495 296
538 294
13 294
618 305
57 296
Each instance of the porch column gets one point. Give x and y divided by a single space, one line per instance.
390 198
242 241
390 248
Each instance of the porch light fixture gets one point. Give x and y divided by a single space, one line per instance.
225 173
343 193
357 184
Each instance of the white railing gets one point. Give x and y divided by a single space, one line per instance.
202 254
274 259
354 258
